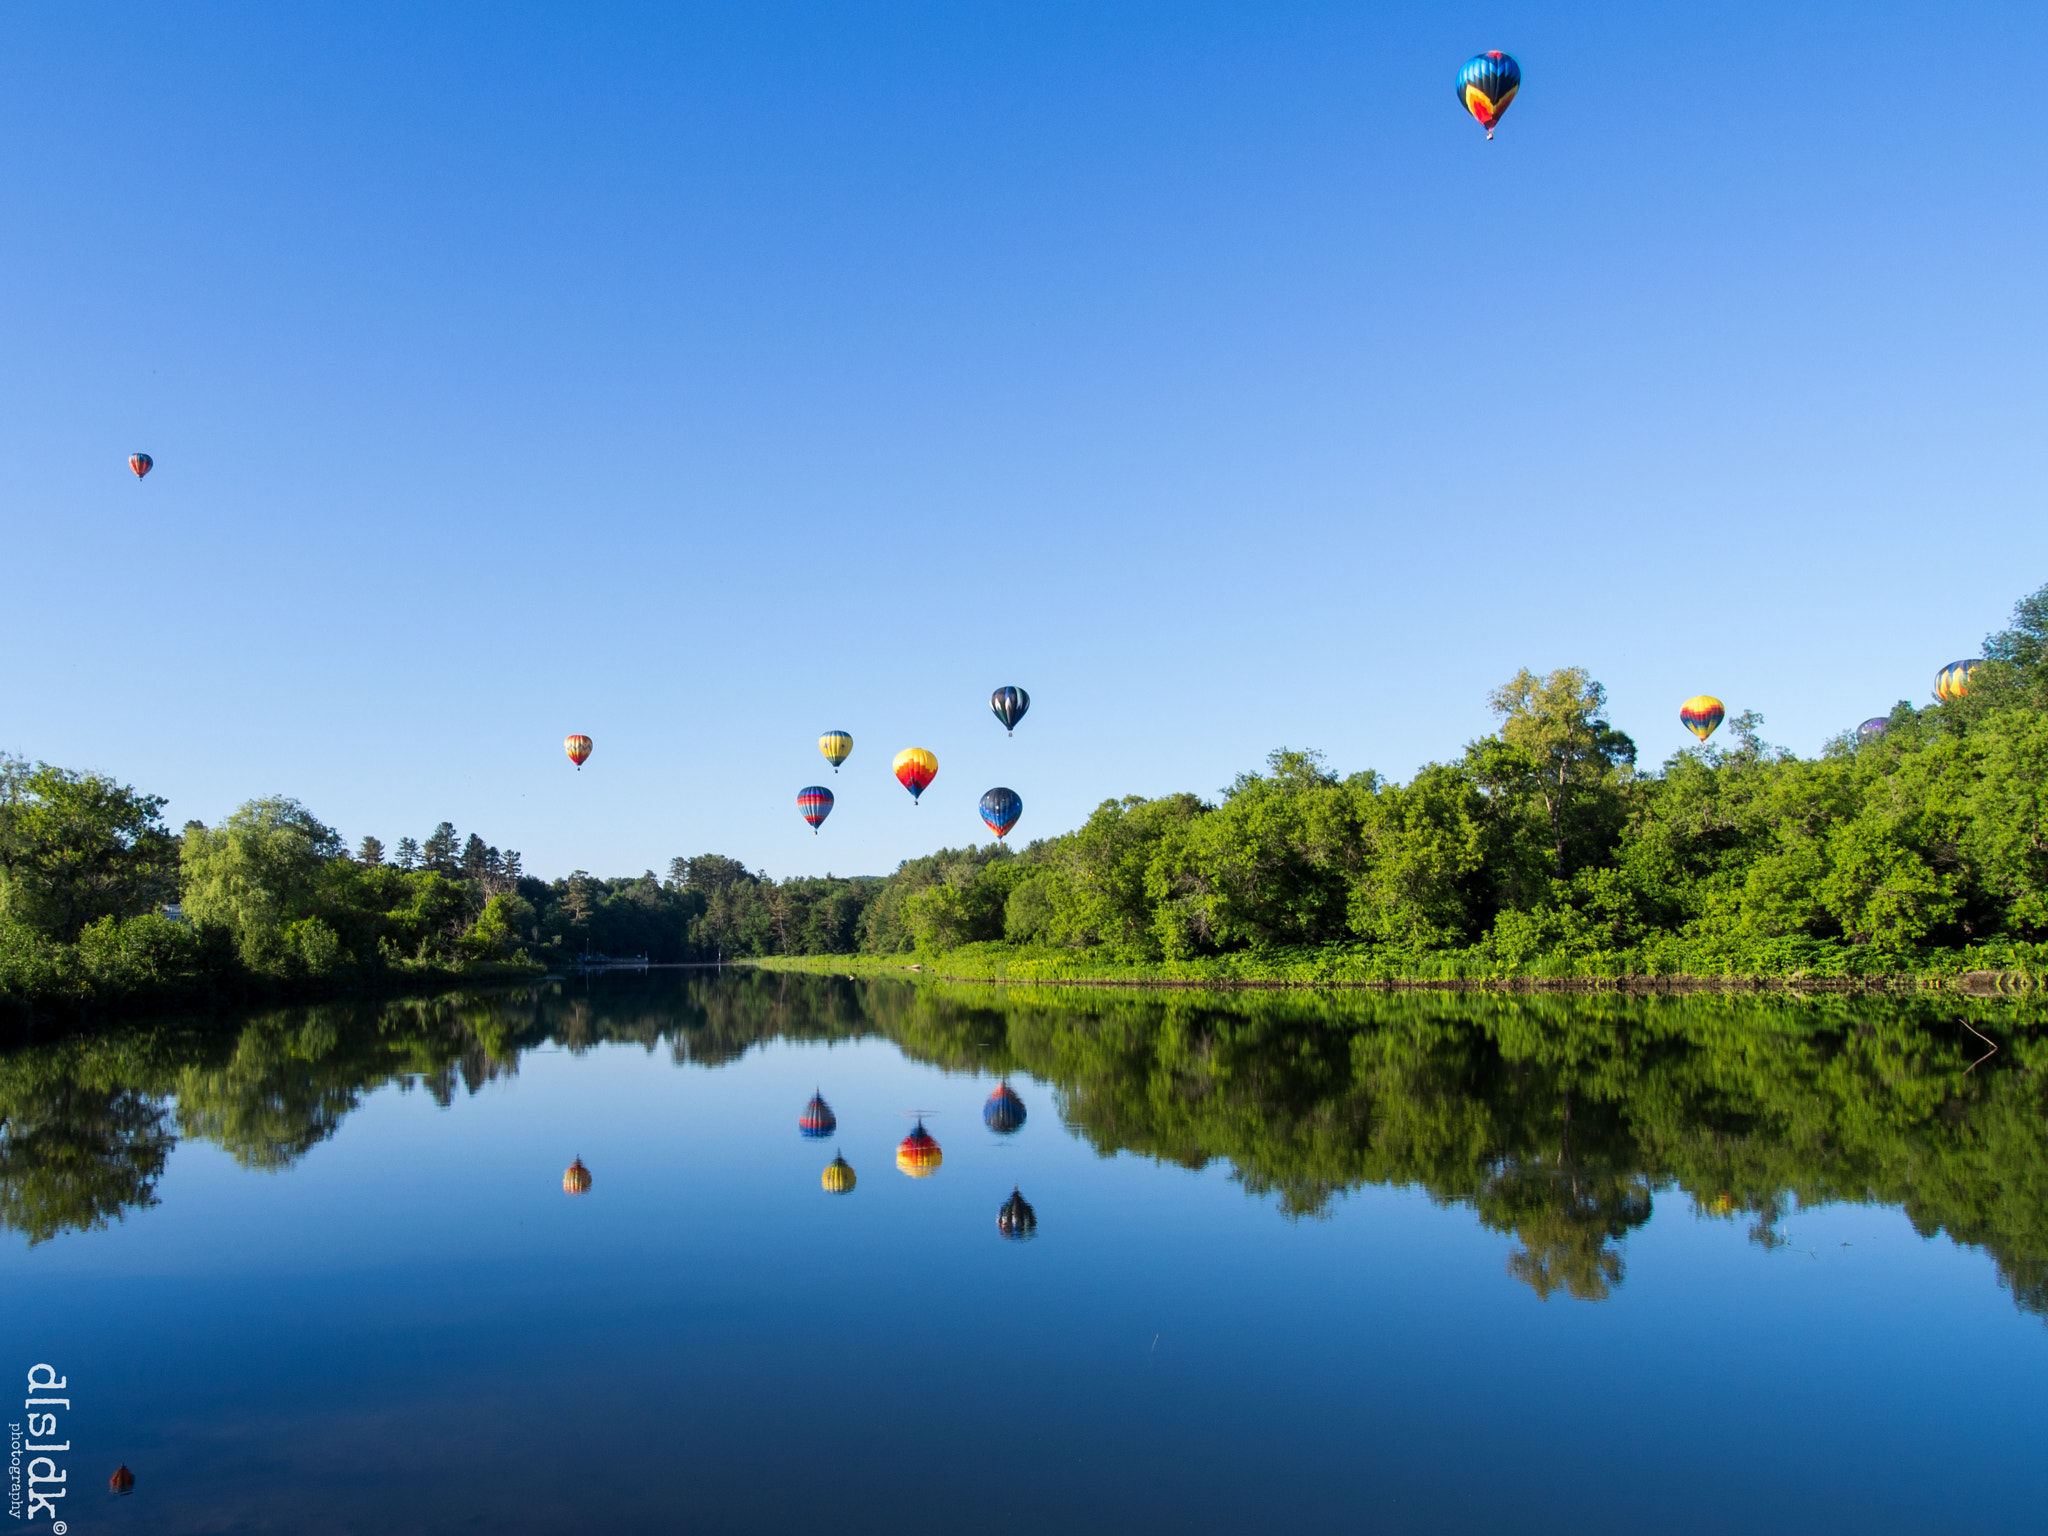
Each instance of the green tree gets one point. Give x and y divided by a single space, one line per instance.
1564 755
371 852
258 875
408 855
77 847
441 853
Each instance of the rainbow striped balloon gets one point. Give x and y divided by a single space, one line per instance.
918 1154
1702 715
915 770
578 748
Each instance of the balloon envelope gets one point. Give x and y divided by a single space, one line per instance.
915 769
1009 705
918 1154
1486 85
576 1178
1016 1220
123 1481
1953 680
837 747
141 463
1000 808
817 1120
578 748
1702 715
838 1177
815 803
1873 728
1004 1111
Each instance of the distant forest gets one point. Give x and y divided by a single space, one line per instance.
1917 843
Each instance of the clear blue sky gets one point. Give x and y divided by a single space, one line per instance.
702 378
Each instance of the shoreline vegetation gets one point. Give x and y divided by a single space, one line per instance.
1912 852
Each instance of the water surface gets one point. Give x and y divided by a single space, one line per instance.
1346 1261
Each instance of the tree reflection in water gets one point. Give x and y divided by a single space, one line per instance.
1556 1119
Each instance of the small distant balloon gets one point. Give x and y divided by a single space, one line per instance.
1702 715
578 748
1487 85
1873 728
1004 1111
918 1154
123 1481
1953 680
1009 705
816 805
142 464
817 1121
576 1179
915 769
838 1177
1016 1220
1000 808
837 747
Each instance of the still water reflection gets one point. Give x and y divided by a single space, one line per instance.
1393 1262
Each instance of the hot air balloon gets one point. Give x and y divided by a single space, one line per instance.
1487 84
1953 680
1873 728
123 1481
1016 1220
815 803
1000 808
141 463
1702 715
837 747
838 1177
576 1178
578 748
915 769
1004 1111
817 1121
918 1155
1009 705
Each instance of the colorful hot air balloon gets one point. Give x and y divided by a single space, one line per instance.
918 1154
915 769
1873 728
838 1177
141 463
1953 680
1486 85
123 1481
578 748
576 1178
1016 1220
815 803
1702 715
1009 705
837 747
1000 808
1004 1111
817 1121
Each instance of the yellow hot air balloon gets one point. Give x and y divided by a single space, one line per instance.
1702 714
838 1177
836 745
1953 680
915 769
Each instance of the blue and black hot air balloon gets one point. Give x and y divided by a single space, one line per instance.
1486 85
817 1121
1009 705
1000 808
1004 1111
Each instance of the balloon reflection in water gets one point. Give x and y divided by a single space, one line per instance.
817 1121
918 1154
1016 1220
838 1177
576 1178
1873 728
123 1481
1004 1111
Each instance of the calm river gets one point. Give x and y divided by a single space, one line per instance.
1300 1262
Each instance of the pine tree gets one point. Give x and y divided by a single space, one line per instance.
439 852
371 852
408 856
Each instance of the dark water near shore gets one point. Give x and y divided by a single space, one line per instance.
1351 1262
